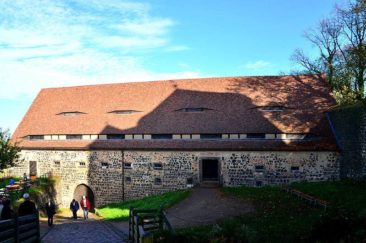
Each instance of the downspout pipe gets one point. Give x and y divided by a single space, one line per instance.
333 130
123 175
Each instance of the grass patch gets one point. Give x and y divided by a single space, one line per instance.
276 219
120 211
282 217
345 195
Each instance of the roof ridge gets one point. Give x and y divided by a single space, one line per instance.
179 80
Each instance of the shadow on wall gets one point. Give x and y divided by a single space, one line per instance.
225 113
44 191
304 100
305 104
350 128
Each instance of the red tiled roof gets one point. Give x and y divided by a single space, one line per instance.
232 101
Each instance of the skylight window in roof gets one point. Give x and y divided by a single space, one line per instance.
123 112
70 113
271 108
194 109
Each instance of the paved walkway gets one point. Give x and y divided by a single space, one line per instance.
203 206
94 229
206 206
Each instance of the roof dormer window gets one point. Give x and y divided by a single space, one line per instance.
194 109
123 112
70 113
271 108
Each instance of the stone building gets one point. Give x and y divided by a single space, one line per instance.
121 141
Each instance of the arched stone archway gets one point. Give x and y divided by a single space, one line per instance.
82 190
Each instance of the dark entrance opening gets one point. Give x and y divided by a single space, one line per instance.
32 168
210 170
83 190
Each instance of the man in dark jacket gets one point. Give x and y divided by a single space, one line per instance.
74 207
26 207
50 210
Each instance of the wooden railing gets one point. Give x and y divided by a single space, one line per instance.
308 198
20 229
144 222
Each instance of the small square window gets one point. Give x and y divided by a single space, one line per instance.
127 165
105 165
128 180
161 136
158 166
115 136
57 163
82 164
259 168
157 181
36 137
190 181
295 168
210 136
73 137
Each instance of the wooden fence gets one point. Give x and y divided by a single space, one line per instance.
20 229
144 222
307 198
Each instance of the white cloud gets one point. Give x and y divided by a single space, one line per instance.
260 64
177 48
62 43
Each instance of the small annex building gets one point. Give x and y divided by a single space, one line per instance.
121 141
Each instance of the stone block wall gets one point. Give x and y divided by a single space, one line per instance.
176 168
72 168
279 167
349 126
104 173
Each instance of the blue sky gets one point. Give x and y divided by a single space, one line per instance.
64 43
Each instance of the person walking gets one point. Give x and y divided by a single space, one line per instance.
26 207
50 210
74 207
7 212
85 205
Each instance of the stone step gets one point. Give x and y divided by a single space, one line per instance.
209 184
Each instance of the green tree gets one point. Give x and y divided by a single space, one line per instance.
341 42
9 153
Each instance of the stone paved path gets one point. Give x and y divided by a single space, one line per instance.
206 206
91 230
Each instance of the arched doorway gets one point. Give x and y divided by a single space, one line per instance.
82 190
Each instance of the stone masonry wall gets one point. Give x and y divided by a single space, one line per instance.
72 168
236 168
349 125
139 177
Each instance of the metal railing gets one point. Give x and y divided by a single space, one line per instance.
144 222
